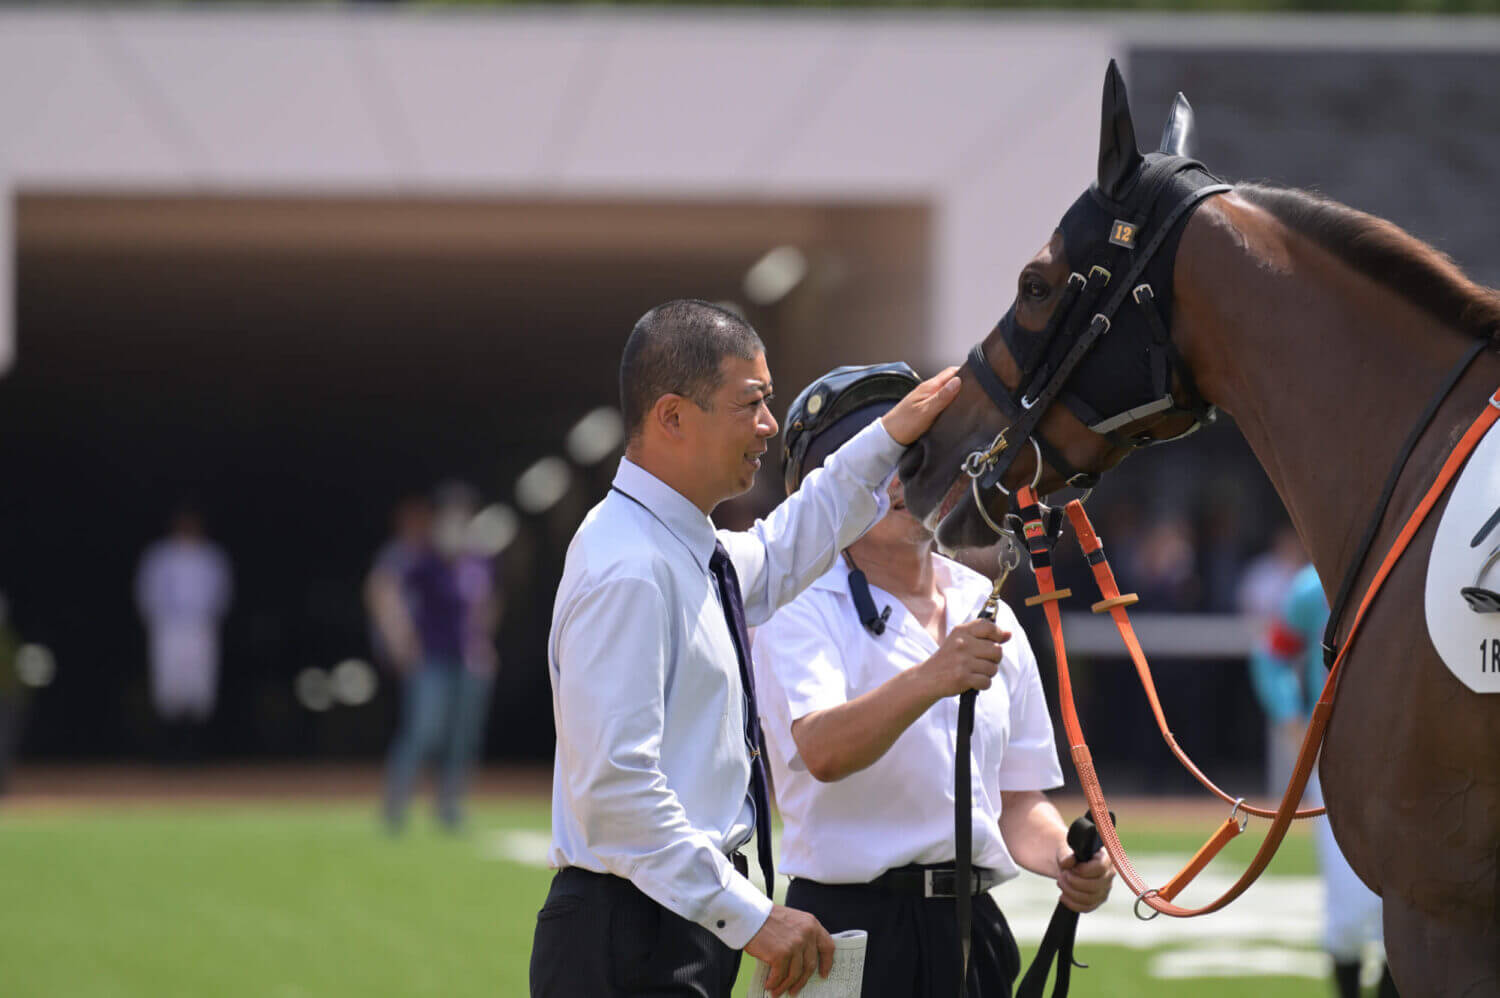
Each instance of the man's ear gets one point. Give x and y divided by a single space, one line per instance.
667 414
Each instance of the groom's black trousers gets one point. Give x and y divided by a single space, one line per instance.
912 951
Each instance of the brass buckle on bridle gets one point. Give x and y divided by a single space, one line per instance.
977 463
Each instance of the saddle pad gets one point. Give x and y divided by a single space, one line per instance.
1468 533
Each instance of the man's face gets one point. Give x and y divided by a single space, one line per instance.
899 526
732 434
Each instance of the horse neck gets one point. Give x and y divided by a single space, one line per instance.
1323 369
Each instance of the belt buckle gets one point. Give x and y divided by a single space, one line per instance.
933 886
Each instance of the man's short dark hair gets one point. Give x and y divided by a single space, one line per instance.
679 348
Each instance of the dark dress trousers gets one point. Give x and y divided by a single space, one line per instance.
598 936
913 945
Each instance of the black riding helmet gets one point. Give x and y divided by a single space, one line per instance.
835 407
821 419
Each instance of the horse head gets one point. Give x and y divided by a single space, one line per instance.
1082 368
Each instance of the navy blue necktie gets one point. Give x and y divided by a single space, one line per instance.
734 613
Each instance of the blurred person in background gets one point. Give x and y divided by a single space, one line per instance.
1262 594
857 680
1221 554
393 636
12 693
436 609
1287 672
183 589
1163 570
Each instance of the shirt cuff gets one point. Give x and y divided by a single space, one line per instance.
871 455
737 913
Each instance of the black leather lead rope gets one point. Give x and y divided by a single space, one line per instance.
963 826
1062 930
963 788
963 837
1330 632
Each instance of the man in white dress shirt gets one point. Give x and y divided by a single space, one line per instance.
858 680
659 778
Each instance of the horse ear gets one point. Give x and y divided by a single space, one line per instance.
1177 137
1118 157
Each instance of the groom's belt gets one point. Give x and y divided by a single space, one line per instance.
939 881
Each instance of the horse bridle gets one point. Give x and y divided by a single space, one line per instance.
1075 327
1072 331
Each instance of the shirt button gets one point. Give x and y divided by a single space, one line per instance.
720 923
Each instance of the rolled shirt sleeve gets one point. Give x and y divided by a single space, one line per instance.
782 554
612 680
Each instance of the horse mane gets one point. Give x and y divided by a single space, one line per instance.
1386 253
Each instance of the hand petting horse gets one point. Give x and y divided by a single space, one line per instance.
1352 357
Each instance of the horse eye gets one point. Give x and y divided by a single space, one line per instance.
1034 288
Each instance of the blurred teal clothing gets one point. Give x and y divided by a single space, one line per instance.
1286 668
1287 672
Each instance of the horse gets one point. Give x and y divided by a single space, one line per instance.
1327 334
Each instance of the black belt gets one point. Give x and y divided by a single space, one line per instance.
934 881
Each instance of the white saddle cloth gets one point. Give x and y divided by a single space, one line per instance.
1468 642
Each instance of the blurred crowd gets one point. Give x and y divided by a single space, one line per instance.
427 669
433 595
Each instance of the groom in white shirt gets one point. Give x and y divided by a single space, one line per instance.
659 776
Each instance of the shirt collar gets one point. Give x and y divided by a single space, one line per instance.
836 578
676 512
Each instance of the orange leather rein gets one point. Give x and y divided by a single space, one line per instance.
1161 899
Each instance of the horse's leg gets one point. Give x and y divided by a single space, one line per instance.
1411 777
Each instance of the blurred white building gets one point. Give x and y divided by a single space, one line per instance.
294 259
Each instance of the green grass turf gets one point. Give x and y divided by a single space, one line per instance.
301 900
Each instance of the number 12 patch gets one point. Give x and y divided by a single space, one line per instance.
1122 234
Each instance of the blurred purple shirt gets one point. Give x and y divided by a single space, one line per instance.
446 600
